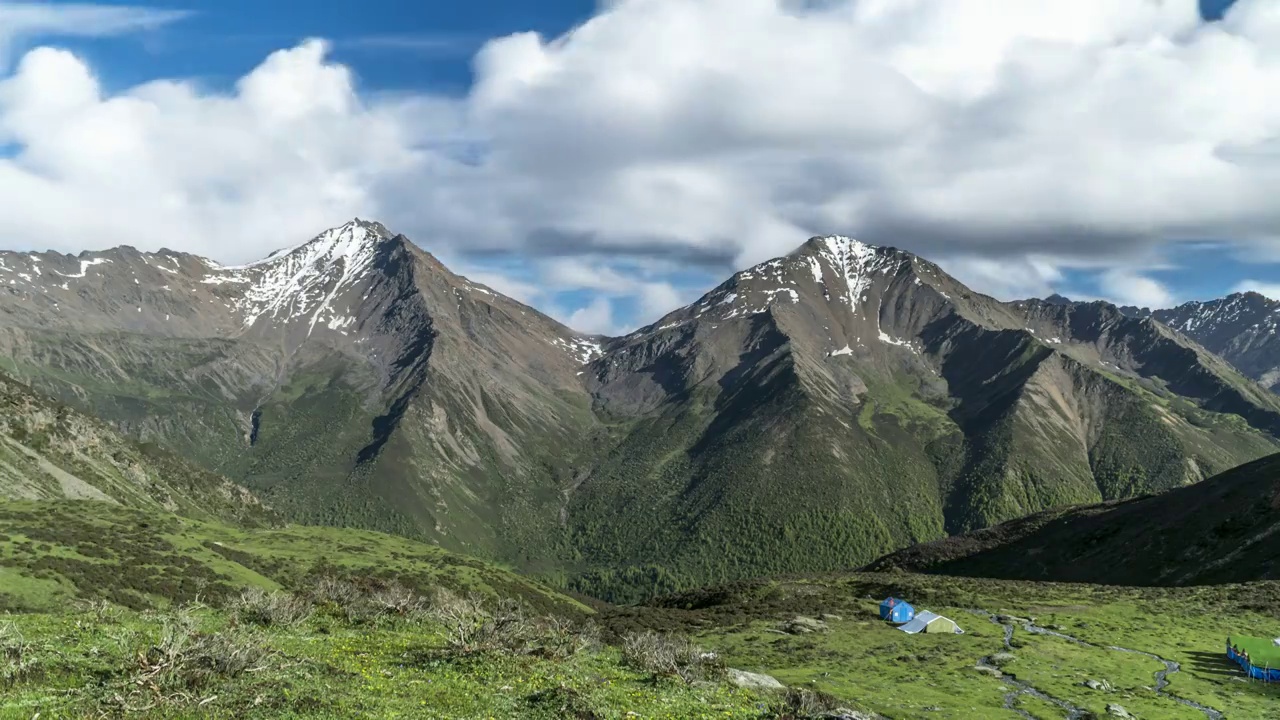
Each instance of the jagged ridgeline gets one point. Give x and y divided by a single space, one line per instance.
810 413
1241 328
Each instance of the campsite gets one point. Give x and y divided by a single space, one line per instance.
1084 647
1259 658
904 615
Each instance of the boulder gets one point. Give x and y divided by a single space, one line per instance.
1002 659
1100 685
801 625
1118 711
828 617
754 681
988 670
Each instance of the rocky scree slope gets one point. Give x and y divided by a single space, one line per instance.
809 413
49 451
1221 530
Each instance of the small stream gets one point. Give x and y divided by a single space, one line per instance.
1020 687
1073 712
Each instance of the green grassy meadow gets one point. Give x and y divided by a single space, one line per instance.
87 665
113 612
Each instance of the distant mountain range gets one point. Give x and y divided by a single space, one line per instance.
1241 328
810 413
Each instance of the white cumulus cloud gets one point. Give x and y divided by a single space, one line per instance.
1046 135
1125 287
1269 289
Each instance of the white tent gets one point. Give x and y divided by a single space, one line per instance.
922 621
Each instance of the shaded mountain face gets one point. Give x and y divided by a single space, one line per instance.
1241 328
49 451
1222 530
809 413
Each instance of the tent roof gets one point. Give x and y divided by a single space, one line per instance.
922 620
913 627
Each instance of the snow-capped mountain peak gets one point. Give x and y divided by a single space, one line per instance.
303 281
353 239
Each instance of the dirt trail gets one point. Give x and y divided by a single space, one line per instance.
1073 712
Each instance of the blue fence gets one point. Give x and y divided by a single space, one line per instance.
1258 673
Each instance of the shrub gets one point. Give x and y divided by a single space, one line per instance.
368 600
797 703
186 661
396 599
258 607
470 627
559 638
670 656
329 589
16 659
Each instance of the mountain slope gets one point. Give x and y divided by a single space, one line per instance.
305 375
1222 530
54 552
49 451
848 397
810 413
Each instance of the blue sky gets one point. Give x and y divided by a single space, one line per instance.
396 45
616 261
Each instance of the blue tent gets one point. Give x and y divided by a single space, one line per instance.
896 611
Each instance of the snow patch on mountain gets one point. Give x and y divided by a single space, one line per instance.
84 267
855 262
303 280
582 349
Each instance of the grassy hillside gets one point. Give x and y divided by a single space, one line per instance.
339 651
1220 530
125 612
333 650
53 553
